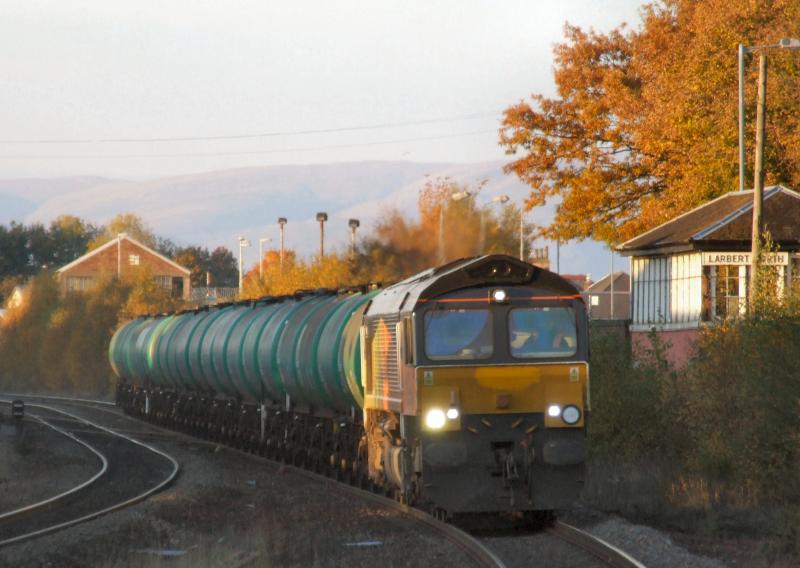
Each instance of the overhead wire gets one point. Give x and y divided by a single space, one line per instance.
252 135
244 153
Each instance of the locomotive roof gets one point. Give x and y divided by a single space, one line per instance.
487 270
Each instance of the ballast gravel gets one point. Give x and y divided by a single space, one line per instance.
37 463
649 546
230 509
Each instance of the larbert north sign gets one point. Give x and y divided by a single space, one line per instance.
743 258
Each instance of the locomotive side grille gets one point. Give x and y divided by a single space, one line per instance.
385 371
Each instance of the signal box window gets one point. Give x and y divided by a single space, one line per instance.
458 334
542 332
133 259
730 302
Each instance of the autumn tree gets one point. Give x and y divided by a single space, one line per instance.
454 228
644 124
128 223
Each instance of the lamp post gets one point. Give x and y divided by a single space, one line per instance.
322 217
785 43
261 256
758 182
243 244
281 222
455 196
353 224
482 240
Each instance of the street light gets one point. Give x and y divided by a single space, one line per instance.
482 241
353 224
282 221
261 256
243 244
758 182
455 196
785 43
322 217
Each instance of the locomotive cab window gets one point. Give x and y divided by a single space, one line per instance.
542 332
458 334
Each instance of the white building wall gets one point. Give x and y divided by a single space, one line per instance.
667 291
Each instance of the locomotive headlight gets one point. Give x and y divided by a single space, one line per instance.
435 419
571 414
452 413
554 411
499 296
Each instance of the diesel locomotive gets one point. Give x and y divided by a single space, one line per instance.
463 389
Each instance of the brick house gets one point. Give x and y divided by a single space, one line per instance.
123 256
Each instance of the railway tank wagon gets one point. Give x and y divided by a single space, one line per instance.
463 389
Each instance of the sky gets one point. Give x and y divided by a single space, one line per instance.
105 87
113 70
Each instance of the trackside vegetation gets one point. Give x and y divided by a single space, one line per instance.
711 448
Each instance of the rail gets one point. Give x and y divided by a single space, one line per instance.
600 549
122 504
76 489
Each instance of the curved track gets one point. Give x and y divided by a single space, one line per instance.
132 471
472 547
591 550
601 550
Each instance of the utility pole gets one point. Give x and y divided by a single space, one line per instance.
522 233
322 217
353 224
558 255
243 243
742 51
441 233
611 312
282 221
758 183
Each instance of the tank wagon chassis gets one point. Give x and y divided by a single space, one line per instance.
461 390
324 445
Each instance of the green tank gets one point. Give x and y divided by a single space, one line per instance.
302 349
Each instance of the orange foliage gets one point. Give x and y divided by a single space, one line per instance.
644 126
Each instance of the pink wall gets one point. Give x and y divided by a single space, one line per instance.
679 344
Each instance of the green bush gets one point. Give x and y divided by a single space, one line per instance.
633 399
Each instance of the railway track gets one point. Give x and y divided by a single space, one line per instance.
601 550
131 471
483 552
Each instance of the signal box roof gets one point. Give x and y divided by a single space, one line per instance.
724 223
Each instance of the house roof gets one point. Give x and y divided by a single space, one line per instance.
113 242
725 220
578 280
622 283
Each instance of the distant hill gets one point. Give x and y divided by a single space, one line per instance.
214 208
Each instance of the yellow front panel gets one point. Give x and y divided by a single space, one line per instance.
505 389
